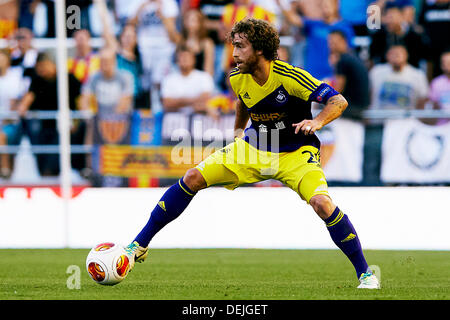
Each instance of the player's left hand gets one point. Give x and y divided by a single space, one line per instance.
307 127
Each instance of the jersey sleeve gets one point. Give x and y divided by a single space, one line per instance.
323 93
297 81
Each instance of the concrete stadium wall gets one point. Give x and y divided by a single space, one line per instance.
385 218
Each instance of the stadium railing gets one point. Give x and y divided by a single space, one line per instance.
368 115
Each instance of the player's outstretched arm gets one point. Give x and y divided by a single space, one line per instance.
332 110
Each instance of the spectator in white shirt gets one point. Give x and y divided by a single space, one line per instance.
188 89
397 84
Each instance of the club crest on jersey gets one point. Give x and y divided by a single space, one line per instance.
281 97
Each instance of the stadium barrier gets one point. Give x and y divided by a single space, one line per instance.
143 148
386 218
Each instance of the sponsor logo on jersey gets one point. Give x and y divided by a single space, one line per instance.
268 116
280 125
262 128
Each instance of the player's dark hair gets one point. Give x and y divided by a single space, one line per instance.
261 34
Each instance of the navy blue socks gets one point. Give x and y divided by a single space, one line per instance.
170 206
345 237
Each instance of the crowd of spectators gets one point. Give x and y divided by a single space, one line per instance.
173 55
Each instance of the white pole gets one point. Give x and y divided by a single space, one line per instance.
64 112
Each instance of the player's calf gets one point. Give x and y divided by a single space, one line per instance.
322 205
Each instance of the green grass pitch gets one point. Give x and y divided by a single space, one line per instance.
222 274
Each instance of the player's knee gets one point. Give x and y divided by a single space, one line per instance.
194 180
322 205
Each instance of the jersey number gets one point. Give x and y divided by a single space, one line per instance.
314 158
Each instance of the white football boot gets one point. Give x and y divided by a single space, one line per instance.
368 281
136 253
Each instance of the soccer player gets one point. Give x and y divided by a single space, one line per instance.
280 143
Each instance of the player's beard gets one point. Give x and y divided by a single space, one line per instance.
250 65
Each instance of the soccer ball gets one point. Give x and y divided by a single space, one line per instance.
108 263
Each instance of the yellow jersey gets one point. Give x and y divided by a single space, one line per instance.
284 99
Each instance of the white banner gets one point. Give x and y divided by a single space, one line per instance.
99 215
413 152
342 144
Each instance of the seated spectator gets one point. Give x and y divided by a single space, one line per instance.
397 84
187 90
440 88
395 31
127 54
195 36
42 96
316 32
10 93
350 73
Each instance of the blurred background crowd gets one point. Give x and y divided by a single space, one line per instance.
145 59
